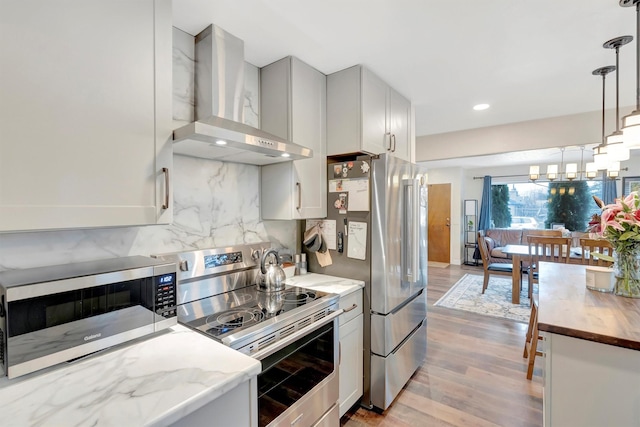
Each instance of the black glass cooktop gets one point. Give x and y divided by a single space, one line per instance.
242 308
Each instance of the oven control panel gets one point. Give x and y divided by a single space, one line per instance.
166 296
217 260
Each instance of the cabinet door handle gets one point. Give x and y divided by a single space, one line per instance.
393 137
339 353
353 307
299 187
387 136
166 188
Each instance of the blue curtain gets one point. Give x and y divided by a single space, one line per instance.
484 222
609 189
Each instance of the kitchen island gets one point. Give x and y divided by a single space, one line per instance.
175 377
592 351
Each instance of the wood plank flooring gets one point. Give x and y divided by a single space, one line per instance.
474 374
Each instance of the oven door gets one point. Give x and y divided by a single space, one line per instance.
299 379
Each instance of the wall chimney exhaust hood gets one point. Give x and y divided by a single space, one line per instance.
218 132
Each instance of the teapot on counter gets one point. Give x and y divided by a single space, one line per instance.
271 278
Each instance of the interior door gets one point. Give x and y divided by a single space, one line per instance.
439 223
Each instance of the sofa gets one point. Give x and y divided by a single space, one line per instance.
497 238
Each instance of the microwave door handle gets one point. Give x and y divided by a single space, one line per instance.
269 350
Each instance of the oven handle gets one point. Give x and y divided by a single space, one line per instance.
269 350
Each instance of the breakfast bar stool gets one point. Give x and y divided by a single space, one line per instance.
531 342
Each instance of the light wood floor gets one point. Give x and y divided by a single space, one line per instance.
474 374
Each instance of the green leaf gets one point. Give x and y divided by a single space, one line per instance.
602 256
627 235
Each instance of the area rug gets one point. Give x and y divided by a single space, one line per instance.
467 295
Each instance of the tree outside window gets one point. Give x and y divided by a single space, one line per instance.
500 213
569 204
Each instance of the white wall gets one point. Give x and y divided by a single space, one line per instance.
576 129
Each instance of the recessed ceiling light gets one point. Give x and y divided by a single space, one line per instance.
481 107
221 142
286 155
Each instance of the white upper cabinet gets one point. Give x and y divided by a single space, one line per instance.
293 106
85 113
364 114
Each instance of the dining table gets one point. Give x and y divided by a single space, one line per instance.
520 252
516 252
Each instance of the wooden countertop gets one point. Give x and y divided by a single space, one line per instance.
567 307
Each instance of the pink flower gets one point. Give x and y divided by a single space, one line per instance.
620 222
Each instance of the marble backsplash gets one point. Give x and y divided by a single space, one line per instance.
215 203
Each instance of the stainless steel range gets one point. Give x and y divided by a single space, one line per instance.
293 332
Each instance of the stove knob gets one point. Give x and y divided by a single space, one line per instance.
255 255
184 265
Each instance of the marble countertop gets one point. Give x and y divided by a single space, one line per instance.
567 307
148 382
153 381
326 283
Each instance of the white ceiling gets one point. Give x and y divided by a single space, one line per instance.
528 59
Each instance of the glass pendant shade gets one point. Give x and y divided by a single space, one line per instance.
552 172
571 171
591 170
534 172
600 158
631 130
616 149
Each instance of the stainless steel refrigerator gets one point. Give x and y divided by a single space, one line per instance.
379 205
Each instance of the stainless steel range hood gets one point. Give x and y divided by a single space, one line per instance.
218 132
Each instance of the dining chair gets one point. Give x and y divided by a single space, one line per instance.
537 232
589 246
532 339
545 248
497 268
545 232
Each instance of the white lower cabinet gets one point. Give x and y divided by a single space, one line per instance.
590 384
351 350
238 407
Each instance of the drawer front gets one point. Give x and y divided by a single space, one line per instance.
352 306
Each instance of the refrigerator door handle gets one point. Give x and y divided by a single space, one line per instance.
411 229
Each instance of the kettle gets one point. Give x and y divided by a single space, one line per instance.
271 278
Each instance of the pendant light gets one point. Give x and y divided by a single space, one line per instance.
631 127
616 149
600 158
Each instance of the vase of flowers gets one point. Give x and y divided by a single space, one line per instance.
620 225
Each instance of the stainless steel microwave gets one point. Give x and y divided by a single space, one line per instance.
54 314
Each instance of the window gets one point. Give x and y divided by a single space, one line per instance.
540 204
